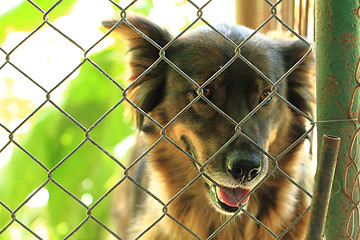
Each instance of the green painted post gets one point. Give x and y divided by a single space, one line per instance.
337 51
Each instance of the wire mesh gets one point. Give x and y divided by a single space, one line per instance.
88 130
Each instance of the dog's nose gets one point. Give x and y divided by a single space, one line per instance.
244 169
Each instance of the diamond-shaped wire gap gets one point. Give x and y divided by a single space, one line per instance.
19 97
237 128
90 96
19 177
84 29
46 57
303 70
60 214
52 136
87 181
137 110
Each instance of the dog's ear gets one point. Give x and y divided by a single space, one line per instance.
145 39
301 82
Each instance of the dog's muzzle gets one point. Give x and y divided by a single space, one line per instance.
243 169
240 170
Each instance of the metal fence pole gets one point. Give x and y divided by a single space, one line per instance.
338 51
322 189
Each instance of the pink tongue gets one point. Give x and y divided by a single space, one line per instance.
239 193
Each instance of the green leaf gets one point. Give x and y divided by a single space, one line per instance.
52 141
27 17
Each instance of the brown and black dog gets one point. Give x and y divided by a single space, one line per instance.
211 152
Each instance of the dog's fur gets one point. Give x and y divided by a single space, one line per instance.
190 186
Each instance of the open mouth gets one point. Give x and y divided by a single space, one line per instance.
229 199
226 198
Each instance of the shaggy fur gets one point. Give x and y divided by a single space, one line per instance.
190 178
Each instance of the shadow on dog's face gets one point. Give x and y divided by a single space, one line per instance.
214 105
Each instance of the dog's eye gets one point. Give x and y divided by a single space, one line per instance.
264 95
207 92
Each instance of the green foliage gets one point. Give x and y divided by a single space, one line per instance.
59 150
88 171
31 17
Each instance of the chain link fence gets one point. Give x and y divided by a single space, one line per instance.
90 217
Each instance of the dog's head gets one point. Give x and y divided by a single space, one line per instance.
214 105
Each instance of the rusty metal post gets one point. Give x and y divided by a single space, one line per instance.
337 51
322 189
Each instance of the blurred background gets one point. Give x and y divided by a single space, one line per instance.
63 134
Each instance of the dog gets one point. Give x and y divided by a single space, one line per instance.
212 158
